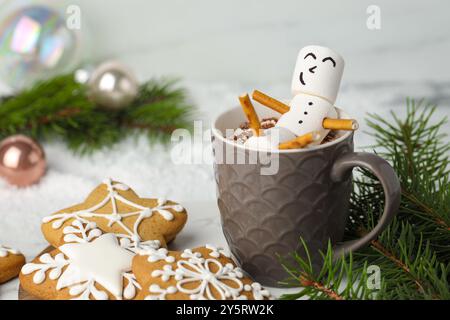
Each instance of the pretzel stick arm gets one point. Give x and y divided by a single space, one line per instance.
299 142
250 113
340 124
270 102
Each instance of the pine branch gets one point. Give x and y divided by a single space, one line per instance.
419 152
59 108
160 110
409 266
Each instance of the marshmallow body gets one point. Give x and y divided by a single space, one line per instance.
306 115
318 72
271 139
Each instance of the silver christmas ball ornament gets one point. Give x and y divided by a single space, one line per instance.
112 86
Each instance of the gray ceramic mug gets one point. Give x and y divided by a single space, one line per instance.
264 215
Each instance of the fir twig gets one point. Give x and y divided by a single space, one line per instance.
59 108
418 152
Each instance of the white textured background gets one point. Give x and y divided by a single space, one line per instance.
222 49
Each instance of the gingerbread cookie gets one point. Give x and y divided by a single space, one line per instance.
198 274
114 208
93 267
10 263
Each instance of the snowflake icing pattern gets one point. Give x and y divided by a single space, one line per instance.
225 281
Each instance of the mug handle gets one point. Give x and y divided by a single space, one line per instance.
342 168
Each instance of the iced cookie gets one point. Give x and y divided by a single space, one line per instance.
114 208
10 263
198 274
95 267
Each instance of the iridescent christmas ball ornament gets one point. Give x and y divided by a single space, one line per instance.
35 43
112 86
22 160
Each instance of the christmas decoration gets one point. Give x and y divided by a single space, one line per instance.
35 43
112 85
60 108
412 255
22 160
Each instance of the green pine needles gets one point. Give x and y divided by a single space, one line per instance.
60 108
413 253
337 280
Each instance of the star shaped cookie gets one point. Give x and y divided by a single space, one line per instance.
113 207
11 261
204 273
95 269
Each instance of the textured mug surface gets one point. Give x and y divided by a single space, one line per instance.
264 216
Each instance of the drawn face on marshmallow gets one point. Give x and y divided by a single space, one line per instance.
318 71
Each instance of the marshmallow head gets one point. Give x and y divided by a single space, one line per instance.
318 71
306 115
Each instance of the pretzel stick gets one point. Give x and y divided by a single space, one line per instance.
270 102
299 142
340 124
250 113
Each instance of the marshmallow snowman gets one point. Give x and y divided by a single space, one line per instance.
315 85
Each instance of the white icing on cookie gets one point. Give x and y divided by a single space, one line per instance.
130 290
160 293
103 259
195 277
143 245
259 293
83 264
115 217
81 232
54 264
217 251
157 255
84 291
4 251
